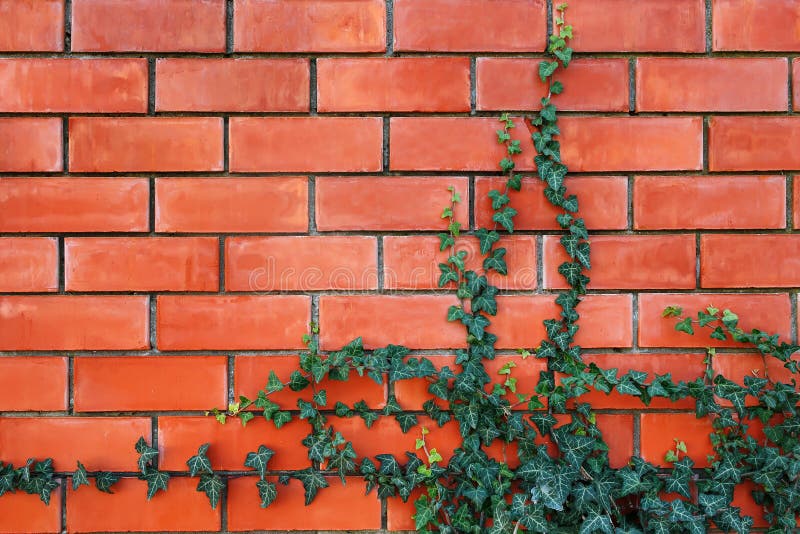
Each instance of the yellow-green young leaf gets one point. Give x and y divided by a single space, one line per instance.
419 444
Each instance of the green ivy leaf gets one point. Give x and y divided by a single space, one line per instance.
104 481
546 69
156 480
147 454
273 383
199 463
267 492
79 478
505 218
212 485
312 481
258 460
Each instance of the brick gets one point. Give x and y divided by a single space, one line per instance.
603 202
63 205
251 374
753 143
629 262
386 437
61 322
142 264
680 28
309 26
179 437
682 202
23 513
33 383
277 204
411 394
138 144
306 144
660 430
129 510
738 261
288 511
73 85
591 84
232 322
104 384
450 25
28 264
100 443
525 371
424 321
394 84
30 145
711 84
232 84
387 203
148 26
301 263
768 25
736 366
796 83
31 25
617 430
796 202
770 312
411 262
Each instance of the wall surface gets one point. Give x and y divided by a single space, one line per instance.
185 184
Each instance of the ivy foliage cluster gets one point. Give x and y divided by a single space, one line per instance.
557 476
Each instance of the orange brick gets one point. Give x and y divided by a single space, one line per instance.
411 394
796 81
301 263
739 260
677 202
30 145
148 25
617 430
31 25
145 144
387 203
232 322
769 25
796 202
451 25
104 384
629 262
660 430
74 323
386 437
28 264
232 205
736 367
525 371
589 84
309 26
734 146
711 84
394 84
33 383
232 84
311 144
142 264
23 513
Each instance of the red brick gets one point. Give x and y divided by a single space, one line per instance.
301 263
100 443
711 84
470 25
142 264
629 262
129 510
23 513
386 437
309 26
417 322
179 437
288 511
525 371
232 205
232 322
387 203
31 25
617 430
738 261
137 144
796 81
74 323
33 383
603 202
232 84
660 430
310 144
592 84
104 384
148 25
74 205
28 264
394 84
769 25
411 394
753 143
411 262
796 202
252 372
736 367
30 145
680 25
769 312
678 202
73 85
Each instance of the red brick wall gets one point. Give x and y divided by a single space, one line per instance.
185 184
